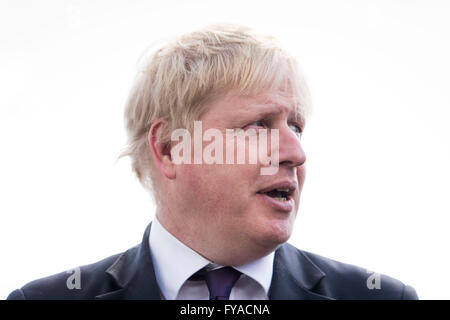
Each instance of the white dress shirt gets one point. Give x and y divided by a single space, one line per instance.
175 263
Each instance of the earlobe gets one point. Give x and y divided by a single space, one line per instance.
160 150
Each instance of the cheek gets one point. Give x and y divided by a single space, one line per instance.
214 186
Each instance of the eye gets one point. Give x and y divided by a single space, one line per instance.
258 124
296 128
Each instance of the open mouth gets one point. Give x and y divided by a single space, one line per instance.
280 194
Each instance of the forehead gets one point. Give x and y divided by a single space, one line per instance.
233 106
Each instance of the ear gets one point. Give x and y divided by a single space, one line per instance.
161 151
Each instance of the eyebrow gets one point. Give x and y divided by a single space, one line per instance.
264 110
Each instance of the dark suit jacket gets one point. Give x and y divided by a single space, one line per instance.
296 275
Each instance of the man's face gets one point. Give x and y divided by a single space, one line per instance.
233 204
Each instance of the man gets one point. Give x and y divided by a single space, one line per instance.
221 225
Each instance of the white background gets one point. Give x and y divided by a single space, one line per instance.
377 188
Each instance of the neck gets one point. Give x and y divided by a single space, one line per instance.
210 242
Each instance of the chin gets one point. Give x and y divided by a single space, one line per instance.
269 228
275 234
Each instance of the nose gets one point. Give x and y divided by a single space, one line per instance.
291 153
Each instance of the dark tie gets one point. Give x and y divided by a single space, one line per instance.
219 281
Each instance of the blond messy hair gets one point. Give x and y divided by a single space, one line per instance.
180 79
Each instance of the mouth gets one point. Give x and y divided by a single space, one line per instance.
279 195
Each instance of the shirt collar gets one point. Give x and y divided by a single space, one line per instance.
168 254
173 261
260 270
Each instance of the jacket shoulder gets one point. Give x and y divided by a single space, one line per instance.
84 282
347 281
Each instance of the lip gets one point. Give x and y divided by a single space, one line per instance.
285 206
286 184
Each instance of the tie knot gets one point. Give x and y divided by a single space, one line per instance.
219 281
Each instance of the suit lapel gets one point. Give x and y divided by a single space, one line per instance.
133 274
294 276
